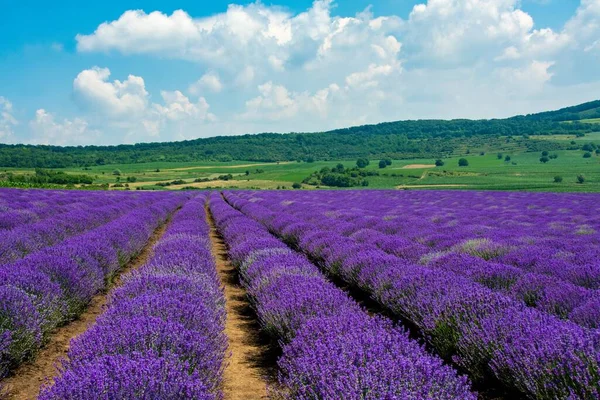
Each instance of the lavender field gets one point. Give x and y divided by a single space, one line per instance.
345 295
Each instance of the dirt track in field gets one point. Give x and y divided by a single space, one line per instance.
250 365
27 380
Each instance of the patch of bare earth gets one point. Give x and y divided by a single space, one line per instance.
418 166
251 363
27 380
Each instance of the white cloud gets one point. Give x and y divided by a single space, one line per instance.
277 103
116 99
7 120
584 26
271 70
178 107
209 81
47 130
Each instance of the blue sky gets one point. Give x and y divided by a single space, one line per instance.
155 72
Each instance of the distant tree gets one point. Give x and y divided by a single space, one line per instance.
482 153
588 147
463 162
553 156
310 159
439 163
297 185
468 151
382 164
544 159
580 134
131 179
598 152
587 155
362 162
157 170
338 168
507 159
388 161
500 156
116 172
558 179
580 178
573 142
247 172
545 153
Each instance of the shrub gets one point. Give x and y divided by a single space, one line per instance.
587 155
463 162
382 164
500 156
545 153
439 163
388 161
297 185
362 162
117 172
558 179
507 159
544 159
580 178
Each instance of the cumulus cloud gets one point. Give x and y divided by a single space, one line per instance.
94 91
270 69
46 129
209 81
7 120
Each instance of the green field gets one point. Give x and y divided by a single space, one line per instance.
524 172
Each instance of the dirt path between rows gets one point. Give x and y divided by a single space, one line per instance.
250 365
26 381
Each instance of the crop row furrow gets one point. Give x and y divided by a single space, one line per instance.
53 286
161 336
331 347
485 332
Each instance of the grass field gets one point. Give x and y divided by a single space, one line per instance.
486 172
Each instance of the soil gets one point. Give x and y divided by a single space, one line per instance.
27 380
229 166
418 166
252 358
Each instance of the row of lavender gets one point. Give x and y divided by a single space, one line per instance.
483 331
331 347
162 335
98 209
19 207
558 273
54 285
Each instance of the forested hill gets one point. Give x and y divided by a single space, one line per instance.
402 139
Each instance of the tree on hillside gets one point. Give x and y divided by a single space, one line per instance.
558 179
544 159
362 162
463 162
439 163
587 155
580 178
382 164
500 156
507 159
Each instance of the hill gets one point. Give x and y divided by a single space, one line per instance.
399 140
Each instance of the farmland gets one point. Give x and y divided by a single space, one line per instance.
484 172
299 294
